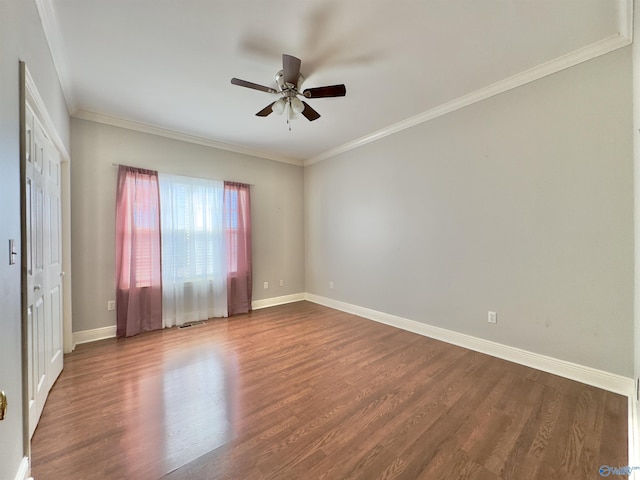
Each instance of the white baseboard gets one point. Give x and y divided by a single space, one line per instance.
272 302
580 373
23 470
86 336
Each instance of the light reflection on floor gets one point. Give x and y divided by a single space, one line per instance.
184 412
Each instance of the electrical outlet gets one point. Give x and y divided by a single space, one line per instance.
111 305
282 283
266 285
492 317
330 284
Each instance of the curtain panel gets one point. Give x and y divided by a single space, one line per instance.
193 253
183 250
237 216
138 253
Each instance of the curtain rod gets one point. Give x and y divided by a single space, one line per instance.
203 178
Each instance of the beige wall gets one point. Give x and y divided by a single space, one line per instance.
635 458
520 204
276 196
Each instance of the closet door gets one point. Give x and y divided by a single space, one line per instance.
53 263
43 265
34 192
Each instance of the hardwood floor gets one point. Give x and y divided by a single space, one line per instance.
301 391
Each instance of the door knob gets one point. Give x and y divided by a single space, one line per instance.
3 405
36 288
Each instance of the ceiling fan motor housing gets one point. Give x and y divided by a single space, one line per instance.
288 89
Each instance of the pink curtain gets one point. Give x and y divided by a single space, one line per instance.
138 255
237 214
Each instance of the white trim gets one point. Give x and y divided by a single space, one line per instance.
36 103
86 336
625 18
589 52
580 373
587 375
93 335
40 110
272 302
183 137
54 37
23 470
51 27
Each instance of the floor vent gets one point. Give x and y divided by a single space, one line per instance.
191 324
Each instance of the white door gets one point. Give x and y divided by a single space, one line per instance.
53 263
34 192
43 269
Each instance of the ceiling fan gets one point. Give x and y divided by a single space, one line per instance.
288 81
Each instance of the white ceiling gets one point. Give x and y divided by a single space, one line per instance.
168 63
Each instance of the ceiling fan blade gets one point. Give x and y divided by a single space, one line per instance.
309 112
265 111
255 86
291 68
323 92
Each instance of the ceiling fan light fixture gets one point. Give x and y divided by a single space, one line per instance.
278 106
296 105
289 81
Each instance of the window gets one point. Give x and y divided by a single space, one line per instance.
145 227
185 239
139 228
194 278
231 228
192 230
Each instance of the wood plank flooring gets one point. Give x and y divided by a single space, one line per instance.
301 391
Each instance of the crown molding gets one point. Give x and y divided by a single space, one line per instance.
184 137
589 52
625 19
54 38
53 34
